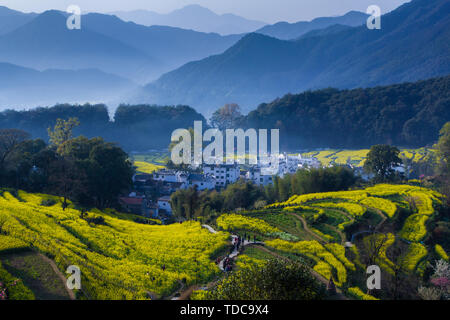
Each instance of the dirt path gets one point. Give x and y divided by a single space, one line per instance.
339 295
39 273
59 274
383 219
185 294
305 226
341 234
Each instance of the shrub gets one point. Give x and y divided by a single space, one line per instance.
441 252
239 222
358 294
48 202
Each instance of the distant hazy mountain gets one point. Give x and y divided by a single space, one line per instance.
413 44
335 28
11 19
107 43
288 31
194 17
173 47
23 87
45 43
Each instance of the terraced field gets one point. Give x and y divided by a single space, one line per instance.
358 157
122 259
119 259
322 225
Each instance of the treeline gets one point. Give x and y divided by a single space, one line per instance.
89 172
134 128
244 195
407 115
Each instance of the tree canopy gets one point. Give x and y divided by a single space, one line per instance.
381 161
275 280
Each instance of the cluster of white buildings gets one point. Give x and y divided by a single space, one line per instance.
287 164
212 176
216 176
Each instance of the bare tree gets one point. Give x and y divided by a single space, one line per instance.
372 247
66 178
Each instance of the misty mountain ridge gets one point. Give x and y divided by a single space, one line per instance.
193 17
11 19
289 31
413 44
107 43
26 88
46 43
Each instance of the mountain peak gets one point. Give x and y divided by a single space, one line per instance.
7 11
260 68
195 8
290 31
194 17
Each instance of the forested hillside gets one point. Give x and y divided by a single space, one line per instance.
138 128
409 115
406 115
411 45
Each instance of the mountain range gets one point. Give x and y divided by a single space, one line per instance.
170 66
289 31
107 43
412 44
25 87
11 19
193 17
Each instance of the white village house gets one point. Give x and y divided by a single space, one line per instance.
223 174
164 204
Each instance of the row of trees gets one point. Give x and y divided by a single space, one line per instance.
90 172
135 127
244 195
381 162
409 114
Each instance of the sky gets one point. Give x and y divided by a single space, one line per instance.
269 11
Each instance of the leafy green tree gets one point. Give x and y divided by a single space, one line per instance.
21 163
227 117
381 161
108 169
275 280
443 147
310 181
62 132
242 194
66 179
185 203
9 140
443 170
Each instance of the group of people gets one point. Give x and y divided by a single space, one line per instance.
228 264
237 242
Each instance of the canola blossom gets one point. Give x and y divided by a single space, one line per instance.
231 222
118 260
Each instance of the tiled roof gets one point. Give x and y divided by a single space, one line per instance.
132 201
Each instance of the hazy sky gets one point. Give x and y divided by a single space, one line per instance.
266 10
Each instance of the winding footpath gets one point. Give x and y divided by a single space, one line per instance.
306 228
260 245
185 294
339 295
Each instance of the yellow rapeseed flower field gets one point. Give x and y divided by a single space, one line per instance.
118 260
